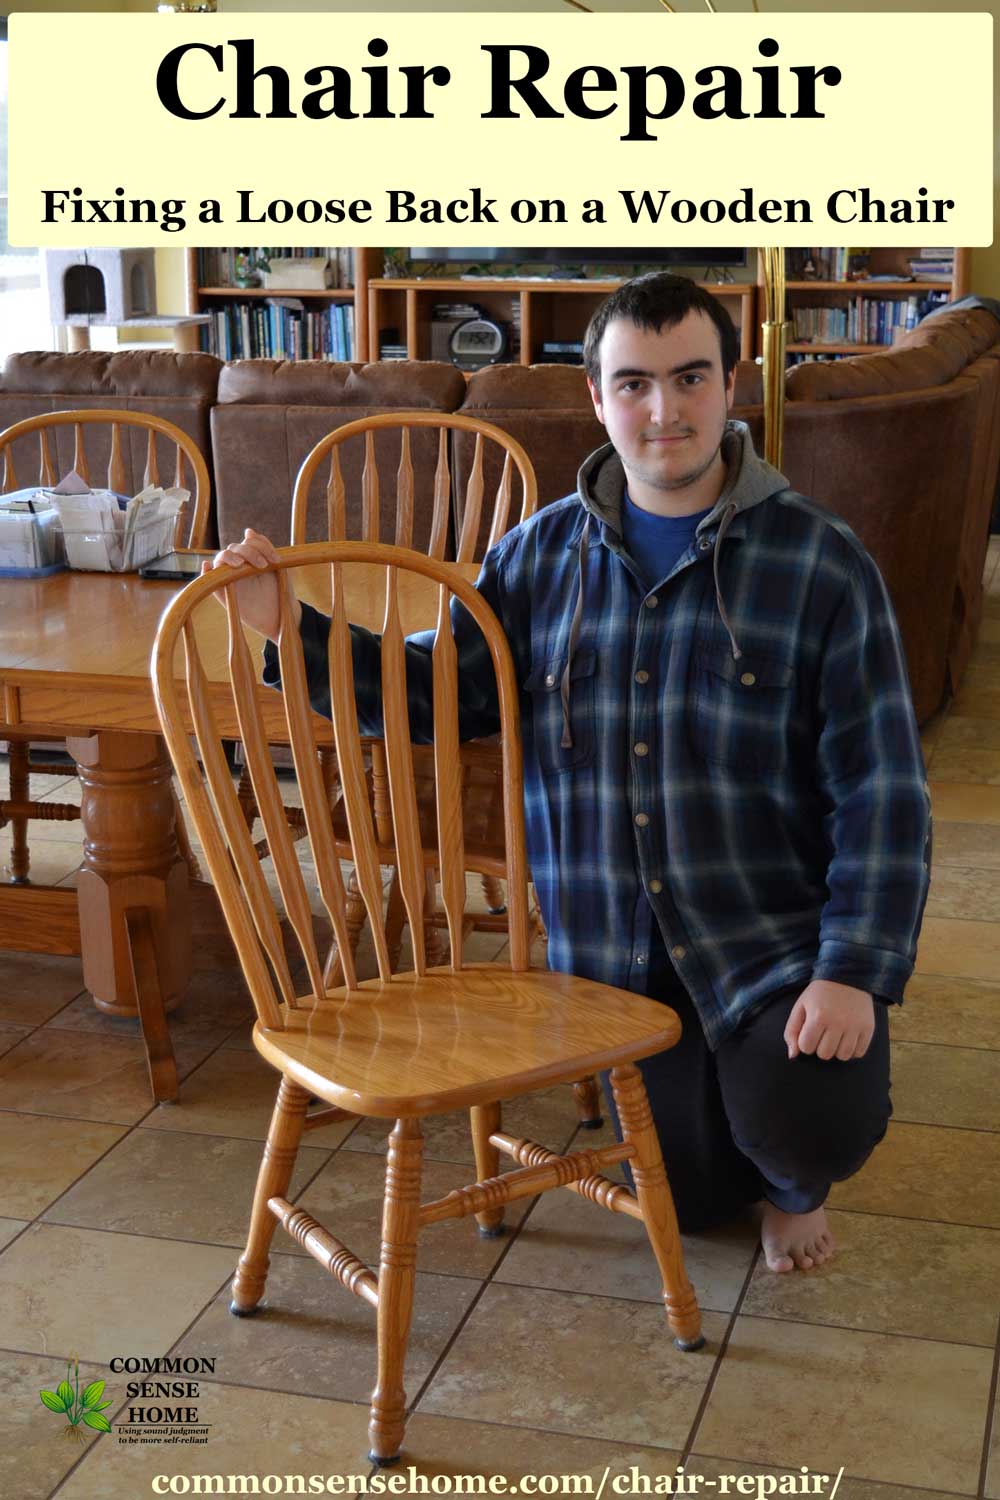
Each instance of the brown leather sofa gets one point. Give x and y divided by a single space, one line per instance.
905 445
179 387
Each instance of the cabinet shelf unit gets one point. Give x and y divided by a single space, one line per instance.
546 310
840 294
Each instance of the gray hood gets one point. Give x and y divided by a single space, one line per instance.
601 487
749 480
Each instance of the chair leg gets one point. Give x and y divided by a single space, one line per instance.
434 950
397 1272
588 1102
19 792
287 1124
485 1120
657 1204
246 799
356 916
496 903
149 1001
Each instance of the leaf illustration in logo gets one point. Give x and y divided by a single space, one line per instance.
52 1401
93 1393
65 1393
102 1406
97 1420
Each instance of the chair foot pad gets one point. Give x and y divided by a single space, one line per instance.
690 1346
383 1463
497 911
492 1234
245 1312
594 1124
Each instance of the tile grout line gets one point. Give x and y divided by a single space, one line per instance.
710 1384
991 1407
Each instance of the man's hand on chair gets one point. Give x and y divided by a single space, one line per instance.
258 597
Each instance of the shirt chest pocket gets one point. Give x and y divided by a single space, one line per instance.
740 710
543 727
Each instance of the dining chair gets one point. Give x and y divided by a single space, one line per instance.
497 490
60 451
404 1046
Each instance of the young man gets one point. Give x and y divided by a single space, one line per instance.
725 796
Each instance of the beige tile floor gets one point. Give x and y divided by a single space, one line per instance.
545 1352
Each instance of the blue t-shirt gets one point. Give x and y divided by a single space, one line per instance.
656 542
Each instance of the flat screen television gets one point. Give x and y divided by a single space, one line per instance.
593 255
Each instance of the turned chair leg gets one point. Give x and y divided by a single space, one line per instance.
397 1272
287 1124
496 902
19 792
356 916
485 1119
588 1102
434 948
657 1204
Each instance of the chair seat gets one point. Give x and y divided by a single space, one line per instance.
445 1041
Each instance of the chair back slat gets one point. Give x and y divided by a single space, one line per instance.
448 776
450 427
369 492
47 474
442 499
228 888
238 705
473 505
501 507
179 468
402 788
192 520
404 494
336 503
80 453
352 770
268 795
315 796
152 470
116 466
230 816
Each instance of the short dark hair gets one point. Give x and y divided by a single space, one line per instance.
657 300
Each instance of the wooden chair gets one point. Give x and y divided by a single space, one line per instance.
192 524
482 815
405 1045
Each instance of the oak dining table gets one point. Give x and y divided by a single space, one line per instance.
74 662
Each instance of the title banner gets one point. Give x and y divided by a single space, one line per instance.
472 130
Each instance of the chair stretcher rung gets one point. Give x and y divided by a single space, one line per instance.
599 1189
329 1116
323 1247
535 1177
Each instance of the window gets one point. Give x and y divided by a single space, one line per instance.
24 313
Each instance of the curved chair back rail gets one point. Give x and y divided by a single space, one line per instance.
468 507
225 838
192 521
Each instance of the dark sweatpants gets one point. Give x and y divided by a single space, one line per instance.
745 1123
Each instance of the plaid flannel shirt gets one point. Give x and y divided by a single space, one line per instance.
767 811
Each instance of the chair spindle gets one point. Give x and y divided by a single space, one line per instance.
369 493
404 493
448 771
399 755
442 499
473 505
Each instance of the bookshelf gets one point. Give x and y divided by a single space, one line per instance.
538 309
208 293
864 311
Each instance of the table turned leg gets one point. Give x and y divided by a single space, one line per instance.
131 861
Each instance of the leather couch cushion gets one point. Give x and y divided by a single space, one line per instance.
392 384
133 372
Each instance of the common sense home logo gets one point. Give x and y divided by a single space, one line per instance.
78 1406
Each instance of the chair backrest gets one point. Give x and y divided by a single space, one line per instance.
468 508
187 700
192 522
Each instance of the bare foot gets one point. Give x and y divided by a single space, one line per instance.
791 1240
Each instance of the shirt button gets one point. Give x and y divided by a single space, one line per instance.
651 602
641 820
642 676
641 748
678 952
550 679
704 544
656 886
748 679
640 958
